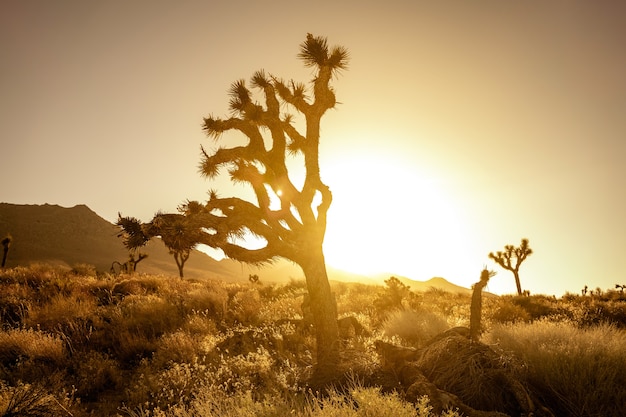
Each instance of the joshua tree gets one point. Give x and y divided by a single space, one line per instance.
179 233
6 243
477 304
128 267
513 254
288 218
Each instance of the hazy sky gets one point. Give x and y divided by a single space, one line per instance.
463 126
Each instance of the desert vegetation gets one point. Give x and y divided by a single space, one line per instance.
76 342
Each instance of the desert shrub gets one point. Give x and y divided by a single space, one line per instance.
102 291
280 308
392 296
591 311
507 312
15 302
178 384
199 323
70 314
536 306
33 276
127 287
130 347
83 270
210 300
36 400
150 315
244 307
177 347
454 307
576 372
415 327
94 373
357 299
30 354
293 289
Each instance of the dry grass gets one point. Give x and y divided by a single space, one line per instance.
162 346
415 327
579 372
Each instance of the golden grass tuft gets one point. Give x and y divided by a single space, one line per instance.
576 371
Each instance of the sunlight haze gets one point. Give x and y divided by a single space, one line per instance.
460 126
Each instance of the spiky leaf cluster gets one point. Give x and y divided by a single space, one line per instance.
512 257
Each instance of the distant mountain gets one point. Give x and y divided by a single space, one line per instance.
77 235
436 282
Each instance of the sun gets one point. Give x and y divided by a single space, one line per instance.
388 217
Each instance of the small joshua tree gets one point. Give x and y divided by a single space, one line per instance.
6 243
477 304
511 259
178 232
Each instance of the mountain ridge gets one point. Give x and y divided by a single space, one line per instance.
67 236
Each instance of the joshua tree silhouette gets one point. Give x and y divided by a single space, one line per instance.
505 260
6 243
129 266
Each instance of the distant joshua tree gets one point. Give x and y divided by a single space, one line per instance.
511 259
179 233
129 266
6 243
477 304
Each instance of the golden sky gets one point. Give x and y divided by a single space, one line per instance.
463 126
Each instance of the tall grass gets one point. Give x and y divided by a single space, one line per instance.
143 345
357 401
577 372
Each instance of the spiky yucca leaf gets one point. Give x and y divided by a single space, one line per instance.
214 127
239 94
132 232
339 58
314 50
206 167
260 80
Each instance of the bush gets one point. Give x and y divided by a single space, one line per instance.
35 400
415 327
507 312
30 354
576 372
95 373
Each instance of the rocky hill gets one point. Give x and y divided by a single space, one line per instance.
77 235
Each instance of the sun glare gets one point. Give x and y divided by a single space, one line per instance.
391 218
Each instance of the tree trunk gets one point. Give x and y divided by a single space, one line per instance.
180 259
324 311
4 256
517 282
476 310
